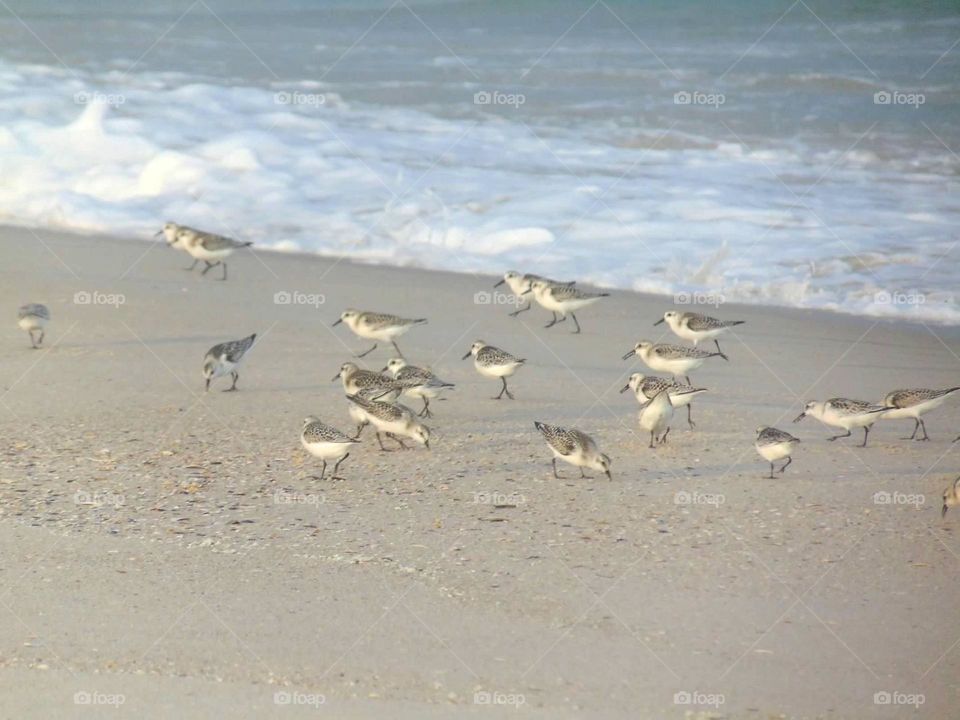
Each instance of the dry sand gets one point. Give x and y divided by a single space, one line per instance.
187 582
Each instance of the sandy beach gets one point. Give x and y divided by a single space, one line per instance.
166 553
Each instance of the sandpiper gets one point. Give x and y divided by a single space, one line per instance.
520 285
393 420
326 443
951 497
677 360
845 413
170 232
224 358
655 417
574 447
563 300
212 249
494 362
417 382
646 387
377 326
33 317
913 403
773 444
696 327
373 384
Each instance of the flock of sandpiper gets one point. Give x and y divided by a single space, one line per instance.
374 396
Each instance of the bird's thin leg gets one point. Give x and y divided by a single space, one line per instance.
398 440
916 426
690 418
789 460
380 440
717 343
360 427
555 469
924 426
837 437
771 471
224 271
524 309
866 431
195 261
33 342
364 354
651 438
209 265
337 466
577 331
236 376
687 378
664 438
323 470
397 348
504 389
552 322
584 476
426 409
509 394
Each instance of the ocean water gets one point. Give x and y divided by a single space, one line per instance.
802 155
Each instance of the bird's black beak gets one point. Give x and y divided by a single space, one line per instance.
609 476
658 322
624 388
500 283
158 233
208 385
628 355
385 369
800 417
465 356
426 444
340 320
336 376
943 510
527 291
